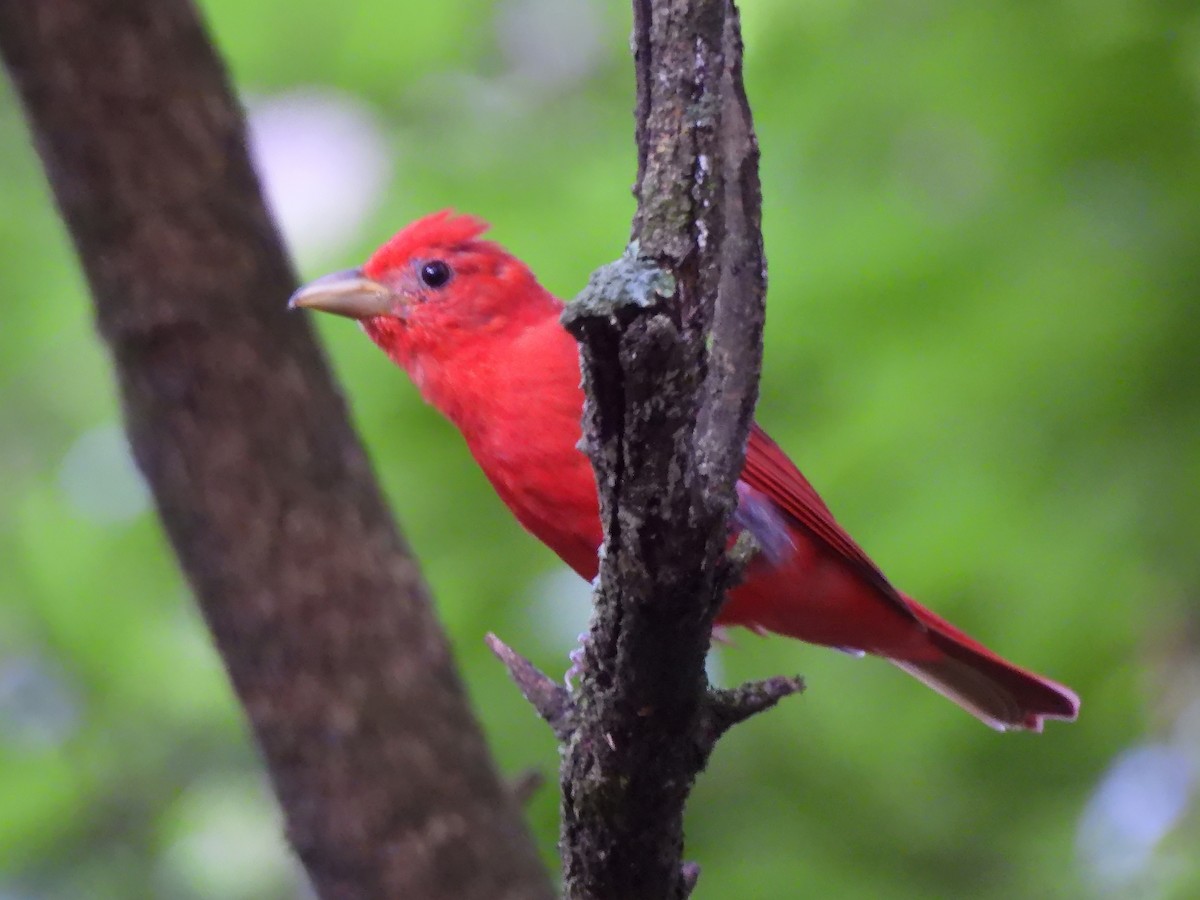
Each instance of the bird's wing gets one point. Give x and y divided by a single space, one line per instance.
769 471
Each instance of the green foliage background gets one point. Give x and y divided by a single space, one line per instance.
983 228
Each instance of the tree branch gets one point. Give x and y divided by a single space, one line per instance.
671 340
314 601
543 693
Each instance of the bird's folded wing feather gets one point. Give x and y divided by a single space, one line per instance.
769 471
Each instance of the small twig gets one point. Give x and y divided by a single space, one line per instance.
728 707
546 695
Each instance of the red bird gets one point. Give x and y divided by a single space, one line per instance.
481 338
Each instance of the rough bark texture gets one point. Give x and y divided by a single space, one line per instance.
670 340
315 604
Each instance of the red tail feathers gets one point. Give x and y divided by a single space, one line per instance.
998 693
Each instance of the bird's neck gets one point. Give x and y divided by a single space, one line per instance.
478 384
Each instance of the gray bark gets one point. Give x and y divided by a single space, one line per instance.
671 342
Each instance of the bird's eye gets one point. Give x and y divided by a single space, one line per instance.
435 273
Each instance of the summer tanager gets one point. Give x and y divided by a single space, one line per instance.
482 340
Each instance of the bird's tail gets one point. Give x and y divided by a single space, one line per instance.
998 693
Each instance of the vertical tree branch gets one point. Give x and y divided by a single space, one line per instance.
670 340
316 605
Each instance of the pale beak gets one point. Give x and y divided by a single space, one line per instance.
349 293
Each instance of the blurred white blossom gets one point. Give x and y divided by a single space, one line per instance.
324 164
1141 798
100 479
38 710
553 43
228 844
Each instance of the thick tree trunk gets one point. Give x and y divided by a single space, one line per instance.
315 603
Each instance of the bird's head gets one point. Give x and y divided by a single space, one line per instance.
434 289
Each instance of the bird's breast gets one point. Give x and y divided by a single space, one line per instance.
547 482
523 428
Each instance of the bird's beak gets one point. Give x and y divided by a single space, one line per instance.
349 293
